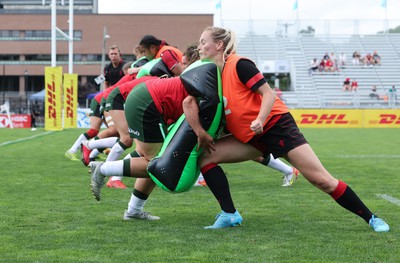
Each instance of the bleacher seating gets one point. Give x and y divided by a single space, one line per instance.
324 89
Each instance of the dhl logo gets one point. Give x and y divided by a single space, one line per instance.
323 119
51 99
69 100
389 119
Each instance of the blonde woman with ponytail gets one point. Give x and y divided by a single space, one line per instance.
260 124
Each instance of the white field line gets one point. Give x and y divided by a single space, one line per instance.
25 139
389 198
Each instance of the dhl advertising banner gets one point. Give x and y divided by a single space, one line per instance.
70 100
382 118
53 98
338 118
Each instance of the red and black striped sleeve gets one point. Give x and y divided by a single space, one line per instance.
249 74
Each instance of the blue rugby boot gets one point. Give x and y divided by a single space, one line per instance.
224 219
378 225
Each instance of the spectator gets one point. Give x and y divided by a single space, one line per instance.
346 84
392 93
33 119
334 61
329 65
374 93
368 60
356 58
354 85
342 60
321 66
376 59
313 66
326 56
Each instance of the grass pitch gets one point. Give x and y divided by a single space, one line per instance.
47 213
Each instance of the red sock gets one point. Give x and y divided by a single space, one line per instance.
338 192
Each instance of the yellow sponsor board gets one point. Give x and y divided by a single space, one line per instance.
53 98
346 118
382 118
310 118
70 100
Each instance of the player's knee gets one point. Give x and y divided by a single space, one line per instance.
324 183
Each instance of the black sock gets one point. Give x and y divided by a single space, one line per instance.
139 194
352 202
218 183
265 160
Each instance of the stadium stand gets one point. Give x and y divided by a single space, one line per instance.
324 89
